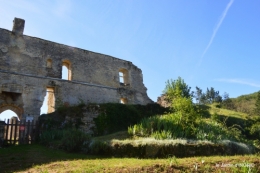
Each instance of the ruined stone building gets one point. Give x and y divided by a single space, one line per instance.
30 66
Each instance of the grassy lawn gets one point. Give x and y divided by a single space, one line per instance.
36 158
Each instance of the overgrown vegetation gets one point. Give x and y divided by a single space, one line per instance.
115 117
69 139
244 103
185 119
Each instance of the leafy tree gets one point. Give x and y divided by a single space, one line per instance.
198 95
210 94
177 88
218 99
225 96
203 99
179 95
213 96
227 102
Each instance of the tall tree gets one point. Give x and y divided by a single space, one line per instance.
177 88
198 95
213 96
225 96
180 96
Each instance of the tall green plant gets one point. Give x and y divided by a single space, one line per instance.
177 88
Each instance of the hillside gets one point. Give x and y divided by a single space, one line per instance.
243 103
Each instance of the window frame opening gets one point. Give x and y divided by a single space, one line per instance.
123 100
66 73
48 105
123 77
49 63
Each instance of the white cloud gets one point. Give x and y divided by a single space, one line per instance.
240 81
215 30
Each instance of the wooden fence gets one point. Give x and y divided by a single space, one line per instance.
18 132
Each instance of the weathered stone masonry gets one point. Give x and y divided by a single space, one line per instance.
30 66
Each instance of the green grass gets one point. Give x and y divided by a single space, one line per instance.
36 158
225 112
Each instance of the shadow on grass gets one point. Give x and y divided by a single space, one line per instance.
22 157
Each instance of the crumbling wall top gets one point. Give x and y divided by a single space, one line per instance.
18 26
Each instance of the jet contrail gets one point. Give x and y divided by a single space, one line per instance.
240 81
216 29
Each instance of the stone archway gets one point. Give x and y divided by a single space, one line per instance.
16 109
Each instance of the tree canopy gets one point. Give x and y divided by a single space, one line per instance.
177 88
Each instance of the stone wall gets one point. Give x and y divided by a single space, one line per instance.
163 101
29 66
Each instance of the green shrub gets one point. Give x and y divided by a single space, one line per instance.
99 147
214 131
50 135
73 139
162 135
115 117
255 130
68 139
176 125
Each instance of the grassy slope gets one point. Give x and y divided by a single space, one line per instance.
245 103
123 135
227 113
36 158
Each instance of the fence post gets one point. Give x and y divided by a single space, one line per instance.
15 131
7 131
28 132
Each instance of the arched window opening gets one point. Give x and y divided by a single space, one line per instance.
48 105
123 77
8 114
66 70
123 100
49 63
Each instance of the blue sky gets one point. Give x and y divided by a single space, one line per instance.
207 43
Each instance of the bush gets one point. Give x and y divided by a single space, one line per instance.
214 131
115 117
99 147
255 130
73 139
49 136
68 139
174 125
162 135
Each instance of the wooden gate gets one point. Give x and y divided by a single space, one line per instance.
19 132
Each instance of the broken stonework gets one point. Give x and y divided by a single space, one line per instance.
163 101
31 66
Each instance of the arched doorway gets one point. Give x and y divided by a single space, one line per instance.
9 121
10 110
8 114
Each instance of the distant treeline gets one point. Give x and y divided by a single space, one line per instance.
244 103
